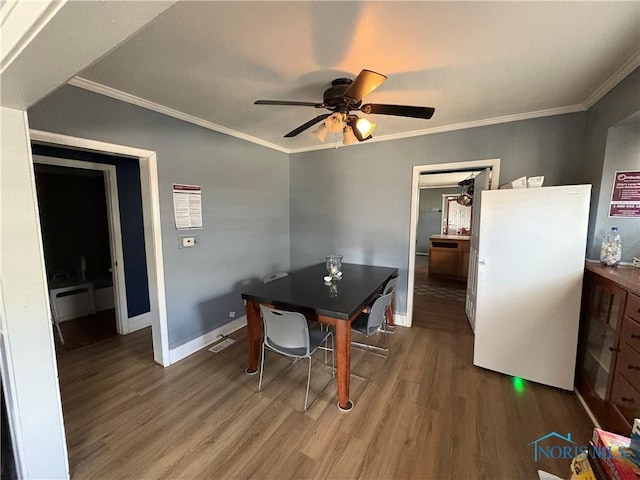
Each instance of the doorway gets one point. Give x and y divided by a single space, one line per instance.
438 176
148 184
82 250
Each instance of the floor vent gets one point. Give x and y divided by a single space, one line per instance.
218 347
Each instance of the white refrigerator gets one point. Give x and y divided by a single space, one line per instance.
528 281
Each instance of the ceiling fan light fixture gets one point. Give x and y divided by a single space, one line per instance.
365 128
334 122
348 137
321 132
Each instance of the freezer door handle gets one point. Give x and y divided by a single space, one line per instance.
482 262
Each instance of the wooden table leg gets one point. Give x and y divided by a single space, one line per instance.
343 364
254 336
389 312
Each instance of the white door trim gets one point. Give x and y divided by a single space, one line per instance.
492 163
115 233
151 215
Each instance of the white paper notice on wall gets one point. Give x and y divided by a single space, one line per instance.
187 206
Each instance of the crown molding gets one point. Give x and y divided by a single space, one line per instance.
456 126
619 75
141 102
611 82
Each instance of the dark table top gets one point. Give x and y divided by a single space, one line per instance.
306 289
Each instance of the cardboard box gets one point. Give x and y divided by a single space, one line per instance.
614 455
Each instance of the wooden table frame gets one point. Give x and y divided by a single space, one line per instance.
341 326
342 329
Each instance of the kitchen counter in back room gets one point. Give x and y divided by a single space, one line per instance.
449 256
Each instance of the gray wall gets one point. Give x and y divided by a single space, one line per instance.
619 104
622 153
430 215
245 192
356 201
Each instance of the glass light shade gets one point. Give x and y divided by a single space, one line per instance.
321 132
365 127
464 200
334 123
348 137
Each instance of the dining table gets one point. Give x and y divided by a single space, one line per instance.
336 303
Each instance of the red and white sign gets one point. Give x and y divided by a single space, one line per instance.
187 206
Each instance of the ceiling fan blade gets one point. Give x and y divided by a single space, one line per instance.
398 110
365 83
304 126
287 102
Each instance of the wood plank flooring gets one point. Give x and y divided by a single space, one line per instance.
428 413
435 312
86 330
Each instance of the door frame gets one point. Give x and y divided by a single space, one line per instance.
492 163
152 225
115 233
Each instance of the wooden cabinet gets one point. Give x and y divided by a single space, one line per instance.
608 368
449 256
625 392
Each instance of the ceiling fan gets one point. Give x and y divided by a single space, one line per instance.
345 96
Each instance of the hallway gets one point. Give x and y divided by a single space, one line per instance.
438 303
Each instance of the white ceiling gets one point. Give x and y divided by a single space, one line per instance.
476 62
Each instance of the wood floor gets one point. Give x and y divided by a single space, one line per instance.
434 311
427 413
86 330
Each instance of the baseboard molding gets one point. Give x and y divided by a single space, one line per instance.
139 322
596 424
400 320
197 344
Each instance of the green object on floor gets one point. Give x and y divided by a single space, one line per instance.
518 384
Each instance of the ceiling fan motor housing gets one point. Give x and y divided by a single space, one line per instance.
334 95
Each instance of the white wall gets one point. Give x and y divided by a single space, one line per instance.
29 371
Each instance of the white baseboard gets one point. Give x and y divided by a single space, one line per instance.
587 409
197 344
400 320
139 322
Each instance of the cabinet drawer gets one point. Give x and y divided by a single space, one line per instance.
630 333
628 365
633 307
625 398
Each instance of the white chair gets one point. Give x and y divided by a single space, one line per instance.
273 276
370 323
288 334
390 287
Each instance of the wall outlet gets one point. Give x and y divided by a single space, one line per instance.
232 314
186 242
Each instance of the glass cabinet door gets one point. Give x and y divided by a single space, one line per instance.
604 304
601 319
599 350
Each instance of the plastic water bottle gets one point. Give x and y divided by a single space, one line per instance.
611 250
